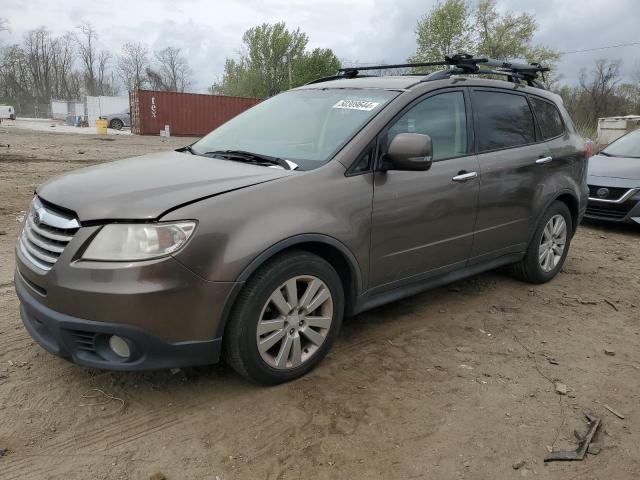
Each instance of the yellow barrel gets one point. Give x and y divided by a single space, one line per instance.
101 126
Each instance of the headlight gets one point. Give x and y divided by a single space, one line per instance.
138 241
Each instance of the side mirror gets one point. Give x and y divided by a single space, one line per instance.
409 151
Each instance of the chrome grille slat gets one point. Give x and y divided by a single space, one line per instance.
45 233
44 238
37 253
31 258
51 247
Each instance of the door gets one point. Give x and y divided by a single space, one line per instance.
511 172
422 222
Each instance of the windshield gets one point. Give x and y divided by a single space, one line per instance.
626 146
305 126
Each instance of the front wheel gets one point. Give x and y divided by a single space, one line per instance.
116 124
285 319
548 248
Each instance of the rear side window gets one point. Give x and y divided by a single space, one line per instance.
503 120
443 117
549 118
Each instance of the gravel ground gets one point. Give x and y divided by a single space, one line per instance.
456 383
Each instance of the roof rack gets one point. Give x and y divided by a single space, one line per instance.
460 64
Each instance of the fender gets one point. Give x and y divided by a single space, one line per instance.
289 242
558 194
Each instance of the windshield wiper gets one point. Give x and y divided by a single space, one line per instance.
250 157
605 154
187 148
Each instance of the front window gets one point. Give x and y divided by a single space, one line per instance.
627 146
307 127
443 118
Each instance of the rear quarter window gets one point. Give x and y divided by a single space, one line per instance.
549 118
503 120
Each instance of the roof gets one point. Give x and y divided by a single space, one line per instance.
388 82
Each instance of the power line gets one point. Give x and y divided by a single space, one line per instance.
601 48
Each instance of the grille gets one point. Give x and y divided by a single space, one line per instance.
615 193
84 340
45 234
608 211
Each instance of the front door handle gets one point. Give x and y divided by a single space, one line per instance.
543 160
464 176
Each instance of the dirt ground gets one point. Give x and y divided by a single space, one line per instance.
456 383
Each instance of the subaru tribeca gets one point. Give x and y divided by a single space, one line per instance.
254 242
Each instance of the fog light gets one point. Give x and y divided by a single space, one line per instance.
119 346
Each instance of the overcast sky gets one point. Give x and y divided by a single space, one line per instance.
357 30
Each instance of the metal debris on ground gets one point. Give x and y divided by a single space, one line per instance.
617 414
583 443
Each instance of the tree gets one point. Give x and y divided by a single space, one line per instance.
38 56
172 74
66 80
87 50
445 29
132 65
602 88
274 59
97 80
453 26
318 63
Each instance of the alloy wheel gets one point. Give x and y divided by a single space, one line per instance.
294 322
552 243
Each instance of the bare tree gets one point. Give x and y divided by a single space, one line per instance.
38 50
15 78
87 51
602 88
66 81
173 73
132 65
97 77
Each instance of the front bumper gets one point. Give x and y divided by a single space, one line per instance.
627 211
85 342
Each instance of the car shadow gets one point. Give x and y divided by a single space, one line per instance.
616 227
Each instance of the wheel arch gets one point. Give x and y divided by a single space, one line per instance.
570 200
326 247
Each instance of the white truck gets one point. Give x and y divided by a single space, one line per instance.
7 112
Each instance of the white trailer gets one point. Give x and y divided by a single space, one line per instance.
7 112
612 128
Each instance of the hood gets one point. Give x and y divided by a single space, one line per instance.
614 167
145 187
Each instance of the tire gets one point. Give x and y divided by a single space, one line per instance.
533 268
256 308
116 124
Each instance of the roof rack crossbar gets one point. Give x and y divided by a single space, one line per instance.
512 76
459 64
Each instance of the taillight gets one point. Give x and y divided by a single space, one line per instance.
587 150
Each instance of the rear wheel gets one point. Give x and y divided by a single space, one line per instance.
116 124
548 248
285 319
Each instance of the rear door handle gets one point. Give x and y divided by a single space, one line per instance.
465 176
543 160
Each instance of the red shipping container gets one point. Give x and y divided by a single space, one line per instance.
187 114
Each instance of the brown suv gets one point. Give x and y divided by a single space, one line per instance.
324 201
